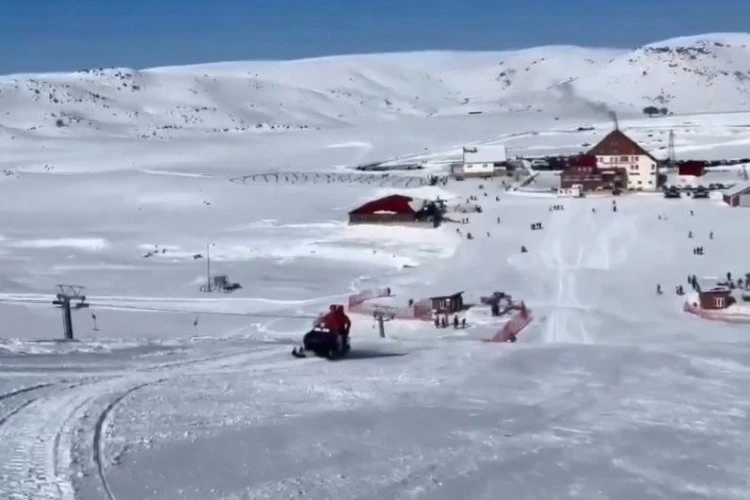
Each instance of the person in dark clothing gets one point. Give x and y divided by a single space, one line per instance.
345 326
324 339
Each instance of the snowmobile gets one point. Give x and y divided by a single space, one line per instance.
323 343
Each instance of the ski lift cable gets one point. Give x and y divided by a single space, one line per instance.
105 305
220 313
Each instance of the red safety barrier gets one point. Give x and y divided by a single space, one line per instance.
510 330
358 304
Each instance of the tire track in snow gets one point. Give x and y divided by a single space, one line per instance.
23 390
32 462
215 366
38 438
99 429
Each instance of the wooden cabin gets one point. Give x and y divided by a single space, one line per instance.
448 304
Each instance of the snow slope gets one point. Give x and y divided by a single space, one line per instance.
698 74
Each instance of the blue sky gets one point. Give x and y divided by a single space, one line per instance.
53 35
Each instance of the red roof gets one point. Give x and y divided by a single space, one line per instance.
616 143
397 203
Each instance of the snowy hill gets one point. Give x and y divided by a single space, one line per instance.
696 74
710 72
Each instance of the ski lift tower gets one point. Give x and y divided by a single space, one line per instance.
381 317
70 297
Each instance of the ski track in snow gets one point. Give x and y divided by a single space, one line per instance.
39 438
566 322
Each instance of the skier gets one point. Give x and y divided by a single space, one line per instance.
658 289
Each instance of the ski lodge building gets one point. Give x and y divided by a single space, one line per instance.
397 209
618 151
481 161
616 161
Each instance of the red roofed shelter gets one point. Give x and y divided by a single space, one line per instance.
394 209
692 168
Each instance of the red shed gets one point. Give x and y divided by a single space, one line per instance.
390 209
715 298
738 195
692 168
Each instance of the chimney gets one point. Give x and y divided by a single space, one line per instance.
613 116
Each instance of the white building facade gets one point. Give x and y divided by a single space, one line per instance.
481 161
642 170
618 151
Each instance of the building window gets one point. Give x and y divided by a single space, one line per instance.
650 182
640 182
719 302
623 159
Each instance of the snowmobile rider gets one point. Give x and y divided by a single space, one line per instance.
346 325
331 320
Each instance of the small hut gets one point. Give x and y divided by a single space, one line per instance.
447 304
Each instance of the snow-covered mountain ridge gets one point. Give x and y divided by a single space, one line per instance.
706 73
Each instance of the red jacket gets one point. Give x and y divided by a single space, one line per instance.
333 321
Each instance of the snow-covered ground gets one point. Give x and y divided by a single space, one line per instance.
612 392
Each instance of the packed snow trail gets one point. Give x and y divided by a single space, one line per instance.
42 438
579 242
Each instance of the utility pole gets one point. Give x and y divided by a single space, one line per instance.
208 267
66 294
208 287
671 151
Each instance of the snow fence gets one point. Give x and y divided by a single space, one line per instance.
358 303
512 328
716 315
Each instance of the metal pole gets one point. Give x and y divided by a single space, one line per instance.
67 319
381 327
208 266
